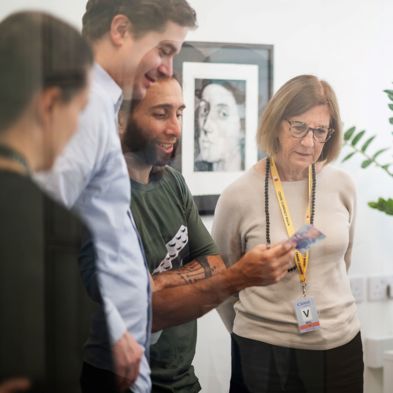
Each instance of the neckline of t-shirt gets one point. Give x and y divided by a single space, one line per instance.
146 187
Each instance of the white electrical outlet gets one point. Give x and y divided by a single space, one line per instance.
389 287
358 288
380 288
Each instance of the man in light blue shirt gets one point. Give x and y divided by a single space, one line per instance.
134 43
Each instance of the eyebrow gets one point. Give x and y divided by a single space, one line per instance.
167 106
222 106
303 122
169 45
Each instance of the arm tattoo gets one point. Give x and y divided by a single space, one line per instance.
192 271
205 264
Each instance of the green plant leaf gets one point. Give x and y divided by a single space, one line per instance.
348 134
367 143
383 205
347 157
389 94
391 120
366 163
380 151
386 166
357 137
390 106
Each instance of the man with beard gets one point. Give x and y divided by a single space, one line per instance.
189 277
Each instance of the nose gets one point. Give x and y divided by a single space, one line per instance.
207 125
174 127
166 67
308 139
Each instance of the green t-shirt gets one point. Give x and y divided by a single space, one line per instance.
172 234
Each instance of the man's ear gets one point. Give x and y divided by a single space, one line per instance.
120 27
46 102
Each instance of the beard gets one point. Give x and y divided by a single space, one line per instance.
136 141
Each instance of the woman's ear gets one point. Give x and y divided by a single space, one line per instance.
46 103
120 28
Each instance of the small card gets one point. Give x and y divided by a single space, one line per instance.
306 236
307 315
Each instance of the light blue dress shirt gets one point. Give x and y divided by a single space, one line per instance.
91 177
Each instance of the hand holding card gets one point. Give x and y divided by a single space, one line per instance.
306 236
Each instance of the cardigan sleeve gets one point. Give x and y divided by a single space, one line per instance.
226 234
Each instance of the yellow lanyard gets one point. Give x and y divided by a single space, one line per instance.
300 259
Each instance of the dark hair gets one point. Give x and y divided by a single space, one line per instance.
144 15
236 87
37 51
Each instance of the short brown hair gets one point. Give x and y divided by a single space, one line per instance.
295 97
144 15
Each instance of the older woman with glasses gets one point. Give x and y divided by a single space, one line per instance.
302 333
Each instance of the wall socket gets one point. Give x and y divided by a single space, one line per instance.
380 288
358 288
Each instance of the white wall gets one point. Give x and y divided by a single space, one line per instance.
348 43
70 10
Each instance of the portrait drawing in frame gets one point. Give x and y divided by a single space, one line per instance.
225 87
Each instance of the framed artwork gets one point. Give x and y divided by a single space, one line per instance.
225 87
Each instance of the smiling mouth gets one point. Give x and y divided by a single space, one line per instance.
149 79
167 147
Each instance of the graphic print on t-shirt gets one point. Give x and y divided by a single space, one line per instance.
174 246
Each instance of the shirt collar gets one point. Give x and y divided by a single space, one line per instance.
111 88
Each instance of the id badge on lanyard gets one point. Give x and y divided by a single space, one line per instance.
305 308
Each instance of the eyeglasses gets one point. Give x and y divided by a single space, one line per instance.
298 129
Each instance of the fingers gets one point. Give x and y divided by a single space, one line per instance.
15 385
123 383
127 355
135 357
276 262
263 266
282 249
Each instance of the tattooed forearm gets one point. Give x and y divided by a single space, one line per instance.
188 278
205 265
196 270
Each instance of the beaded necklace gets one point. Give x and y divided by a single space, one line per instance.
267 213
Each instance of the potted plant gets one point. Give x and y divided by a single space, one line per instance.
359 142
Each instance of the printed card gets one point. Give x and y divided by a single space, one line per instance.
306 236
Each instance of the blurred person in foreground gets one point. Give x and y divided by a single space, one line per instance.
301 334
44 76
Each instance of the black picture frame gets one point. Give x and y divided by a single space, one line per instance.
217 57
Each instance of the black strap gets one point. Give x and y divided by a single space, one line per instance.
13 155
